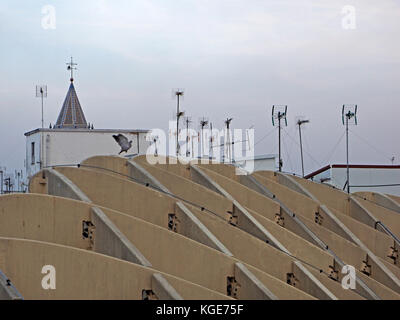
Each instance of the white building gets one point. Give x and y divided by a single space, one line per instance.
258 163
72 140
374 178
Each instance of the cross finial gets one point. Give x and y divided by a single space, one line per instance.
71 67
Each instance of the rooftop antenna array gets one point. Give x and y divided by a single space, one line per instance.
178 93
300 122
279 113
41 92
349 116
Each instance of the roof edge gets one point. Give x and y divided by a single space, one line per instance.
28 133
354 166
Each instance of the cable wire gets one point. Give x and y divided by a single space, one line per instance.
334 148
269 133
317 162
371 146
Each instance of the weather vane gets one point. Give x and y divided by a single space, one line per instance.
71 67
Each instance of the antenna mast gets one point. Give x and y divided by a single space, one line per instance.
349 116
228 143
279 113
211 142
1 181
41 92
187 121
299 123
203 123
178 94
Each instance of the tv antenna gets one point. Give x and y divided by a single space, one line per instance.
41 92
349 116
71 66
178 93
299 123
279 113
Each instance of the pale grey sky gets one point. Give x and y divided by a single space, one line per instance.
234 58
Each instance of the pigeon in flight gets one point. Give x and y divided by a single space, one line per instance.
123 142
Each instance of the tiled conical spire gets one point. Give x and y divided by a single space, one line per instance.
71 114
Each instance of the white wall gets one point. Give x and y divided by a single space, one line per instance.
73 146
31 169
259 164
265 164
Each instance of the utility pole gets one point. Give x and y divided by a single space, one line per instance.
279 113
349 112
299 123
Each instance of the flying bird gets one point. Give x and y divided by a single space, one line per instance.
123 142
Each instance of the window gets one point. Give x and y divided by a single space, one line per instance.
32 153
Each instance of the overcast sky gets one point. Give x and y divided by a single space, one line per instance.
234 58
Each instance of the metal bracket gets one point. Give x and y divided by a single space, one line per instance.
365 267
232 287
291 279
279 219
393 254
173 222
233 219
88 232
148 295
318 218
